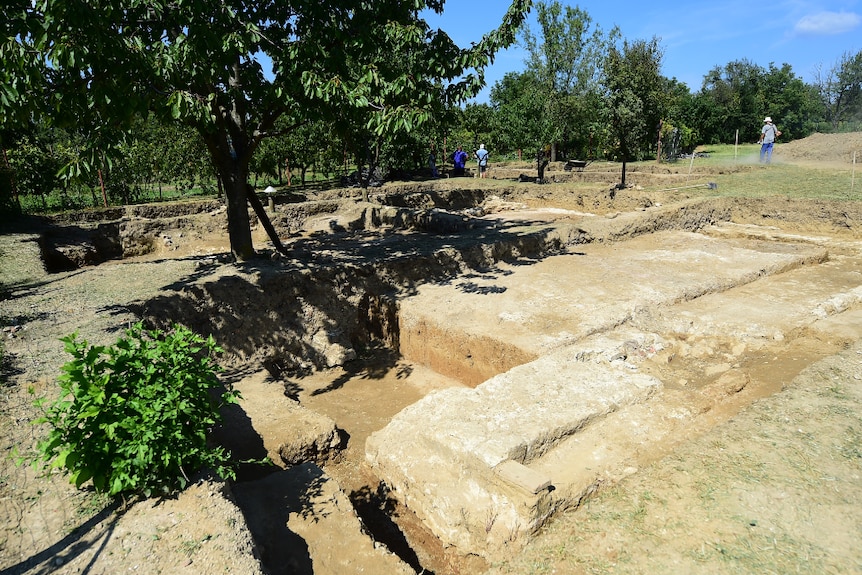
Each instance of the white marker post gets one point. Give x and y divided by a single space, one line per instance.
736 145
853 173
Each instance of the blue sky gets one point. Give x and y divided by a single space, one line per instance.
695 36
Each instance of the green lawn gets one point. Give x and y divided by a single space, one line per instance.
741 174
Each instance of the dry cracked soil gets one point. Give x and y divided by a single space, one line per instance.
767 478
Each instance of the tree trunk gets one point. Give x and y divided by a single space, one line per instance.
13 187
238 195
102 185
264 220
541 164
238 224
624 150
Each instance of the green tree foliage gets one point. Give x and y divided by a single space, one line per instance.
36 167
476 127
159 154
840 91
676 140
270 159
517 112
406 153
731 99
402 153
791 102
739 95
134 417
565 61
36 158
298 146
680 115
635 98
231 69
22 75
10 204
313 145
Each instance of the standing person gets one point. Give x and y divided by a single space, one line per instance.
767 138
432 163
459 159
481 156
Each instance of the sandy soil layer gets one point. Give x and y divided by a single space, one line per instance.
774 489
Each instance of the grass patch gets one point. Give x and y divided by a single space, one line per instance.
851 447
790 181
739 174
762 552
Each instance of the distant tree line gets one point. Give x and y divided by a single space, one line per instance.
163 160
587 93
584 93
236 77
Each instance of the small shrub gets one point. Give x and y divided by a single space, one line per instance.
134 417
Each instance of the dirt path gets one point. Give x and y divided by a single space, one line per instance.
768 481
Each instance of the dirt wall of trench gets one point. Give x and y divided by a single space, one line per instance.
294 321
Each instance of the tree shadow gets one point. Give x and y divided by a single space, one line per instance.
268 313
267 505
341 292
377 509
237 434
375 364
71 546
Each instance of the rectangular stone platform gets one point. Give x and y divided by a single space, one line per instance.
559 399
460 450
482 325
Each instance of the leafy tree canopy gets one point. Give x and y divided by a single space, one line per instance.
736 97
840 91
565 58
231 68
636 100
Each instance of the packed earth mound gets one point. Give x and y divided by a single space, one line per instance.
823 148
468 377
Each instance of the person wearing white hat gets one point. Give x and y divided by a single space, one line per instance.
767 138
481 156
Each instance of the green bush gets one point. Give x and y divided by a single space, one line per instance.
134 417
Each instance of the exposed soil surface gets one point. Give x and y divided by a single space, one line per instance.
767 480
832 149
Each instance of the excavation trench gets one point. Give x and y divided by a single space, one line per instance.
528 345
378 332
364 323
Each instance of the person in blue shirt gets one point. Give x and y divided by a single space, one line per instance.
481 156
459 159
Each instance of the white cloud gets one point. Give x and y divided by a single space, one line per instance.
827 23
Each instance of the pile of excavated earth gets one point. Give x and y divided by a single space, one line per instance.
438 374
